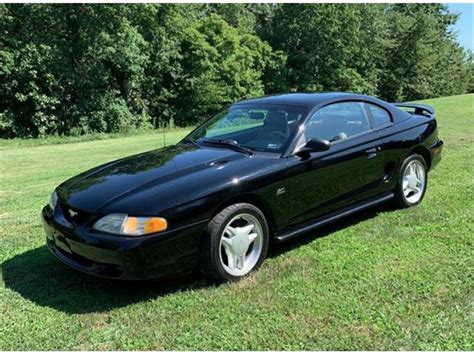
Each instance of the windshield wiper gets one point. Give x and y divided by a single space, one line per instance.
191 140
229 143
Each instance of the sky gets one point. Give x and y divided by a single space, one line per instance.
464 27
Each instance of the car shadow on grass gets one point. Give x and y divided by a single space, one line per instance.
277 249
39 277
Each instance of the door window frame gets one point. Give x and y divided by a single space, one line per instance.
303 125
371 117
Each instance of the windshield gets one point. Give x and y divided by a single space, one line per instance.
259 127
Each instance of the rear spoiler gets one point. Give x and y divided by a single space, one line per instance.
420 109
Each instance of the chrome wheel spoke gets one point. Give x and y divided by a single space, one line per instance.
252 237
239 262
230 231
227 242
419 172
231 259
247 229
405 183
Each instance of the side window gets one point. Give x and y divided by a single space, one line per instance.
380 116
337 122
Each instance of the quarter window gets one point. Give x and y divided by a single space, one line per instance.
380 116
337 122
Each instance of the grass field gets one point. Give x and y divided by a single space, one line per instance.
384 279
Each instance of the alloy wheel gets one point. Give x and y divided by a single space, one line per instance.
241 244
414 181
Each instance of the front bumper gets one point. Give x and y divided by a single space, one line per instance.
129 258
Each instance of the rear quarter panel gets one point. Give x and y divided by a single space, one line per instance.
402 138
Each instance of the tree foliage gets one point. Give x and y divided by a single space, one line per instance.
74 69
330 46
424 60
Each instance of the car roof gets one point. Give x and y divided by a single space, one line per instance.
309 100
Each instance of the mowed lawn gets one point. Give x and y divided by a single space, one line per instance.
383 279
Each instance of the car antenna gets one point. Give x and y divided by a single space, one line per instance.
164 134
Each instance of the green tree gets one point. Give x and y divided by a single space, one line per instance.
219 67
424 60
470 71
330 46
74 69
82 72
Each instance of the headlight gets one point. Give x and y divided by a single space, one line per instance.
53 200
123 224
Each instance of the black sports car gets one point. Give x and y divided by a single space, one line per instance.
262 170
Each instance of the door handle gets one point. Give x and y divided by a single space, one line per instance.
372 152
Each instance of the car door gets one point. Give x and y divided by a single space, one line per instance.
351 170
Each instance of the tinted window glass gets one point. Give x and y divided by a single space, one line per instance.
380 116
235 121
261 127
337 122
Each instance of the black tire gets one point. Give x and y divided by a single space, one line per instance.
400 199
210 260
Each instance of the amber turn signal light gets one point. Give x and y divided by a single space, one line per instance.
155 224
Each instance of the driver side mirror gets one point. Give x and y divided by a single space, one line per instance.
314 145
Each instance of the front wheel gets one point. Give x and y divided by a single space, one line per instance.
236 243
413 179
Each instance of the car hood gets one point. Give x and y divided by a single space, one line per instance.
153 175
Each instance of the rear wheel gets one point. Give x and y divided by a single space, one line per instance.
236 243
413 179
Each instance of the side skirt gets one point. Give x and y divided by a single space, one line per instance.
333 216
